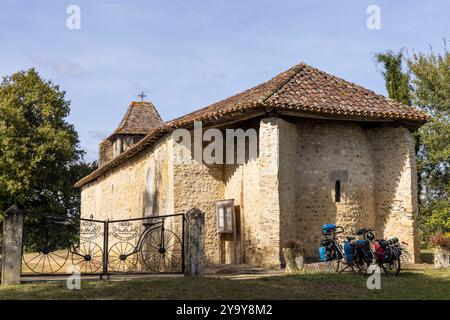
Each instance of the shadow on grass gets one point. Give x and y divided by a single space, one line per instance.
430 284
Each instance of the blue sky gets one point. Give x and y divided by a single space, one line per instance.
188 54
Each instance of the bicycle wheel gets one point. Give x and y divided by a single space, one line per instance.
333 266
122 257
336 264
46 262
159 255
392 265
88 258
361 267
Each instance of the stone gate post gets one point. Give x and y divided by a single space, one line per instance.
12 246
194 243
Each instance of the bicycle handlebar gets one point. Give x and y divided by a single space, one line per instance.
338 230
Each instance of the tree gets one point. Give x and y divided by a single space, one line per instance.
397 81
40 158
431 91
399 89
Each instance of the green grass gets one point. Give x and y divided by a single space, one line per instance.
413 284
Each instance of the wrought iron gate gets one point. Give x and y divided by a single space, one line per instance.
54 245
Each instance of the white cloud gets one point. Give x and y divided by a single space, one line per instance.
60 65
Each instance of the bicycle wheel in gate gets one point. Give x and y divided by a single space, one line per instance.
161 251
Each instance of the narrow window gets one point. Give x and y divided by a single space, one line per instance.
337 191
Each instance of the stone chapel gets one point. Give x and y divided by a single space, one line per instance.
338 153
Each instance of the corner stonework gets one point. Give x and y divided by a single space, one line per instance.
269 217
396 194
274 162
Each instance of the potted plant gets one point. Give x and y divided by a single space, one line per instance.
293 254
441 244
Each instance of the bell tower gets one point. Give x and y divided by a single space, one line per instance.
140 118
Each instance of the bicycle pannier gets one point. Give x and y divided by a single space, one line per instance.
349 250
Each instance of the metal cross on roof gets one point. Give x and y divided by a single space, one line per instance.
142 96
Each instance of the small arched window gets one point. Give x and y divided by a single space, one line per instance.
337 191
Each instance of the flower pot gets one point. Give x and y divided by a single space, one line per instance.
294 260
441 257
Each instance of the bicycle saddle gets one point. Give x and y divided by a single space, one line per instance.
361 231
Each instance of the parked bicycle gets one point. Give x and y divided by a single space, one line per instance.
369 251
331 251
359 254
385 253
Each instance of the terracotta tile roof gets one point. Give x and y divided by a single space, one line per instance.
307 89
300 89
140 118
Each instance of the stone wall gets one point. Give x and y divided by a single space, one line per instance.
200 186
396 186
242 185
289 190
153 184
326 151
105 152
254 186
136 188
269 215
196 185
286 193
377 173
288 137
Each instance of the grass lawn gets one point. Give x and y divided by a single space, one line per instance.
411 284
